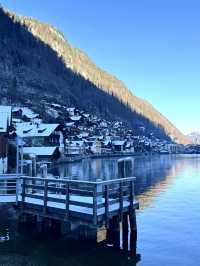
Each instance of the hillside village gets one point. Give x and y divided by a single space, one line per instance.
70 135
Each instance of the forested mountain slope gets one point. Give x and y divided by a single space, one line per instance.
37 62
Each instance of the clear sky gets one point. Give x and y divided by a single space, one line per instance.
152 45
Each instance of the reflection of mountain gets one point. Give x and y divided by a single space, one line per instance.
158 179
90 169
153 174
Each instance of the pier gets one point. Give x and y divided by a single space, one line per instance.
80 208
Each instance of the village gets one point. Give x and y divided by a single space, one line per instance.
79 136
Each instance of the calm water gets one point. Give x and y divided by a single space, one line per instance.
168 188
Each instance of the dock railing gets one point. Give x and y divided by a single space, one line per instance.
94 201
8 188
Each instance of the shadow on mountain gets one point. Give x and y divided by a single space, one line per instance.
31 71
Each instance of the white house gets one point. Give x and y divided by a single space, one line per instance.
41 135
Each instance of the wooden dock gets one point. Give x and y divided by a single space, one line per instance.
93 203
82 206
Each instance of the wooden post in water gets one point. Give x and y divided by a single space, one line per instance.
113 232
116 231
133 233
125 169
125 231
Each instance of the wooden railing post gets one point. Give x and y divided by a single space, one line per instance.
23 191
107 205
45 199
97 198
132 194
95 204
18 189
121 200
67 200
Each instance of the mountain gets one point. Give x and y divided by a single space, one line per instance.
194 137
37 62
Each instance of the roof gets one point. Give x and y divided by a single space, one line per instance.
75 118
71 109
39 151
28 129
118 142
26 112
5 117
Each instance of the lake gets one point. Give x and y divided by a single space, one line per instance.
168 189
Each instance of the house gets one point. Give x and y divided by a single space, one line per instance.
25 114
41 135
96 146
75 147
119 145
5 123
43 153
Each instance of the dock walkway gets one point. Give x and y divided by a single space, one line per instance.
65 199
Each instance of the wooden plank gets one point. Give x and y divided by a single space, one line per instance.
39 187
34 196
81 192
59 180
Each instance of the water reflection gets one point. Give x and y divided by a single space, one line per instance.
156 177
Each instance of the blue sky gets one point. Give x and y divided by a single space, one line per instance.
152 45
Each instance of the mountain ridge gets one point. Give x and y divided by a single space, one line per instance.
79 63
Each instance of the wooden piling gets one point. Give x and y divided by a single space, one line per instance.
125 231
133 233
113 232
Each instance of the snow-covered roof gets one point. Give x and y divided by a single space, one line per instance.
26 112
118 142
71 109
75 118
39 151
83 135
106 142
56 105
75 142
28 129
5 117
69 124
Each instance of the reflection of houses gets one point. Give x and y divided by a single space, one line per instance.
43 153
96 146
5 122
175 148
